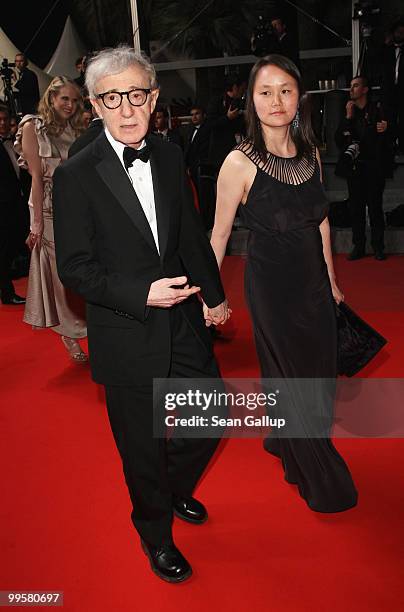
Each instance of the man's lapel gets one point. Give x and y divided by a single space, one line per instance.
161 186
114 176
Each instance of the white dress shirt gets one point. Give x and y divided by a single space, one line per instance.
196 128
399 53
142 181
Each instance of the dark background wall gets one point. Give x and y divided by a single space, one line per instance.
107 22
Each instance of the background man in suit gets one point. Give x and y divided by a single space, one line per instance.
393 81
226 120
94 129
162 130
80 67
364 127
26 86
202 173
129 240
287 45
11 202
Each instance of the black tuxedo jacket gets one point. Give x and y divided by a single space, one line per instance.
94 129
106 253
288 47
172 136
10 187
222 130
28 91
197 151
392 93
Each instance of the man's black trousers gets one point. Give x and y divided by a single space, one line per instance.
8 246
366 188
155 468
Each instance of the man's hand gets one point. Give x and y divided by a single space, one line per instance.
349 109
381 126
232 113
217 315
162 293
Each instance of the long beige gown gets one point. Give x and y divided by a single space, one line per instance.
48 303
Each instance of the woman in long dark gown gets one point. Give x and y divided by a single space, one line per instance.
289 280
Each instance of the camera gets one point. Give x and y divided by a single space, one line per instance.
263 40
239 103
5 69
365 10
7 74
6 65
352 151
345 167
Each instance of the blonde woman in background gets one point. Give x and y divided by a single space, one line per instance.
43 141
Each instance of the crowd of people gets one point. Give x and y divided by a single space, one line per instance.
368 136
113 224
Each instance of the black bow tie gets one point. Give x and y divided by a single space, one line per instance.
130 154
6 138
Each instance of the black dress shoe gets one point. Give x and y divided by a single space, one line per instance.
380 256
13 300
167 562
190 510
356 254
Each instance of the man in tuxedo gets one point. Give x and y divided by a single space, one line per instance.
287 45
162 130
202 173
80 67
11 202
225 118
364 128
94 129
27 86
129 240
393 81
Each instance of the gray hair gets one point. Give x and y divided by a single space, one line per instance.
116 60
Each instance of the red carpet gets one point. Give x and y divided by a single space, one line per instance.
64 514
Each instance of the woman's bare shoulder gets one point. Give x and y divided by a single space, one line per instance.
236 160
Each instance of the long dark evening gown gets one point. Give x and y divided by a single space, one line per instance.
293 312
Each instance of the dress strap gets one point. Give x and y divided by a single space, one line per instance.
290 170
44 143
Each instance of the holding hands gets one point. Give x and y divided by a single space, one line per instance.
217 315
167 292
164 294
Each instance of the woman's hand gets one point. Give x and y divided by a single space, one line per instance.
337 293
218 315
35 235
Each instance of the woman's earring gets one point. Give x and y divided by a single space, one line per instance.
296 120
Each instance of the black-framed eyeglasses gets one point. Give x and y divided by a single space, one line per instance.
113 99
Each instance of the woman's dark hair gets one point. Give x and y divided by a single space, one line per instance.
303 136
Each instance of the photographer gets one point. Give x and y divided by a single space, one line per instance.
287 44
26 86
264 39
367 162
225 119
11 207
393 80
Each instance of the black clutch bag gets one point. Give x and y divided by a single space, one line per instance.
358 342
